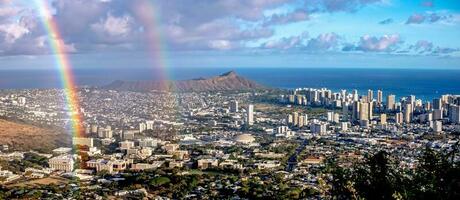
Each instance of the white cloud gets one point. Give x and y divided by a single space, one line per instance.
114 26
220 44
12 32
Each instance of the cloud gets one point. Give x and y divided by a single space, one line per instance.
119 24
211 35
367 43
339 5
296 16
445 50
429 4
416 19
428 17
286 43
422 46
113 29
386 21
12 32
221 44
106 25
425 47
323 42
6 12
114 26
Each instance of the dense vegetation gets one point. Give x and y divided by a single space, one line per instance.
30 160
437 176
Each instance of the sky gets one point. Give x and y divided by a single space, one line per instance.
235 33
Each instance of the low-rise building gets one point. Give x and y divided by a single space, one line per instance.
62 163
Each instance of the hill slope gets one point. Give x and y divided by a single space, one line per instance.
225 82
27 137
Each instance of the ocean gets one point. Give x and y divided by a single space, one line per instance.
425 84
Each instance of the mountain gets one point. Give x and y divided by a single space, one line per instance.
225 82
20 136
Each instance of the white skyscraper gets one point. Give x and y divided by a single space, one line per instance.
379 97
370 96
234 106
250 115
391 102
355 95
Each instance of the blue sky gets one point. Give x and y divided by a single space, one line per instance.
236 33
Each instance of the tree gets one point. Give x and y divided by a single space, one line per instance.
376 179
159 181
437 176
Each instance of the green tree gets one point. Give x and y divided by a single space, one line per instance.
159 181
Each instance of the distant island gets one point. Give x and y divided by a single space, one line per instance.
225 82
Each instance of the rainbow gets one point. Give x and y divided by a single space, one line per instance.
148 14
64 66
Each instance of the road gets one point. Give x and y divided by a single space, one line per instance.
292 161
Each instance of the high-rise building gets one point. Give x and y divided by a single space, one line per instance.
355 95
344 126
383 119
412 99
427 106
291 98
318 128
370 95
295 119
364 111
356 109
301 121
343 94
370 110
330 116
437 114
289 119
437 104
437 126
399 118
142 127
345 111
391 102
234 106
454 114
427 117
250 115
379 97
408 113
336 118
299 99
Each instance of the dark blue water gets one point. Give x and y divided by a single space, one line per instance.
425 84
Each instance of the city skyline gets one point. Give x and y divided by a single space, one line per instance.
230 99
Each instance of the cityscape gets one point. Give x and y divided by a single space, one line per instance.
229 99
229 139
